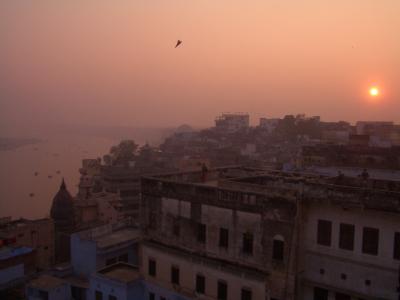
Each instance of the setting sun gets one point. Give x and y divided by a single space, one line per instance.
374 91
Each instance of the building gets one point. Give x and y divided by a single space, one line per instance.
232 122
350 156
36 234
47 287
16 264
63 215
102 246
269 124
251 234
206 235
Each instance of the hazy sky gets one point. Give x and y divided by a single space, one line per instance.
114 63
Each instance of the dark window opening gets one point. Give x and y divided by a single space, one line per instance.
278 249
370 242
44 295
340 296
248 243
396 246
200 284
324 232
111 297
201 233
111 261
176 229
152 296
175 275
98 295
320 294
246 294
346 236
152 268
123 257
223 237
222 290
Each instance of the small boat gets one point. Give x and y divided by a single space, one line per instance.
31 194
50 176
36 173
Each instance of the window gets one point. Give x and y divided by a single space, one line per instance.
223 237
248 243
200 284
175 275
111 261
152 267
44 295
152 296
123 257
246 294
163 298
324 232
111 297
201 233
278 248
320 294
340 296
346 236
370 240
396 246
98 295
222 290
176 229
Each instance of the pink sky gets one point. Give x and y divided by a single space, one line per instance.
114 63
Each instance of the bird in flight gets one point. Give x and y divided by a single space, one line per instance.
178 43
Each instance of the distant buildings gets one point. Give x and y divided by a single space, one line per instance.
232 122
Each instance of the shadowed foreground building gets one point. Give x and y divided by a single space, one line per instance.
244 234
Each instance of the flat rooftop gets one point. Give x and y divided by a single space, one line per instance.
9 252
117 237
46 282
121 272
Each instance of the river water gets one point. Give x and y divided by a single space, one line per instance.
60 153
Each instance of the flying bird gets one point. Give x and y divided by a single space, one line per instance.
178 43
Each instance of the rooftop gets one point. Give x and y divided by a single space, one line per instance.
8 252
46 282
121 272
117 237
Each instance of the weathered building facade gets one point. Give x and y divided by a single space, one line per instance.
239 233
223 241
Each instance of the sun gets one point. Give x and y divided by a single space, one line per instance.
374 91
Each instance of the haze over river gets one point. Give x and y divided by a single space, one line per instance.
61 153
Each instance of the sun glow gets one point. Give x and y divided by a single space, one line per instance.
374 91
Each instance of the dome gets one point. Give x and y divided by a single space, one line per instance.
62 209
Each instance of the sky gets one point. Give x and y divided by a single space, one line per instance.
98 62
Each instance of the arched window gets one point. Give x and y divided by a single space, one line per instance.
278 247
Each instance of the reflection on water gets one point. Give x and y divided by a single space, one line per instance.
25 193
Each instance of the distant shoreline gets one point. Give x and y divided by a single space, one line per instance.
7 144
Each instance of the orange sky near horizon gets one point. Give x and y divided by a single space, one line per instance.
99 62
